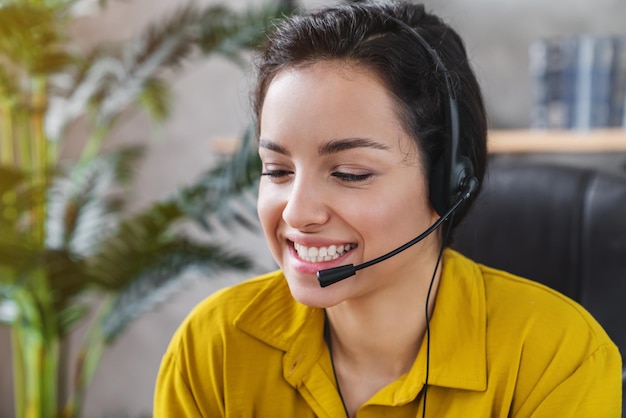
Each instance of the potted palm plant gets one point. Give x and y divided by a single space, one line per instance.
67 246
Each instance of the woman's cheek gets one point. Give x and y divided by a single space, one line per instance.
269 210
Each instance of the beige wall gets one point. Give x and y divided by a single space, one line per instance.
212 102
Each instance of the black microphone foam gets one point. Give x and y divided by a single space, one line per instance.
335 274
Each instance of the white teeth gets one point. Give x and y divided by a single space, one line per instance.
319 254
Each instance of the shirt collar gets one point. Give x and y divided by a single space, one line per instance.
458 357
458 354
275 318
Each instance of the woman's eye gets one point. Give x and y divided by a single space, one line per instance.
351 178
275 174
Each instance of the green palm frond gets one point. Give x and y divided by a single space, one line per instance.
163 46
226 194
20 194
136 241
161 274
109 80
68 277
20 304
167 44
70 315
17 255
10 180
30 39
111 77
81 85
65 275
231 33
83 206
144 258
155 98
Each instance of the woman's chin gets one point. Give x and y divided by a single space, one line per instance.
307 291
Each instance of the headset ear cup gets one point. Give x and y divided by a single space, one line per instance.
452 174
439 192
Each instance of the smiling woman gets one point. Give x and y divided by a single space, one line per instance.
341 182
368 137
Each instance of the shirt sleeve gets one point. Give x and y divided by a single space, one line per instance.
593 390
173 396
186 386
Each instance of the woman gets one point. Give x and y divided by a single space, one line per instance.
357 121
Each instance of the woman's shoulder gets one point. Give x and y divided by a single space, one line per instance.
227 303
261 307
528 300
530 308
212 321
536 315
516 298
542 349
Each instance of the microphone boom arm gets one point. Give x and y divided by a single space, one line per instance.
336 274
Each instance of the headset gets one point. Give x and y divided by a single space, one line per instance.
452 180
453 173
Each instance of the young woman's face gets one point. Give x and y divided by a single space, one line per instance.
342 183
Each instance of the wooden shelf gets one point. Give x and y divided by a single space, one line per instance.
556 141
518 141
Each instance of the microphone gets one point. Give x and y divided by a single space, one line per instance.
336 274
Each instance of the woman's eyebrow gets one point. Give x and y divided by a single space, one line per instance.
343 144
330 147
273 146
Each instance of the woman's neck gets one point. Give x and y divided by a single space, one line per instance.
375 340
384 338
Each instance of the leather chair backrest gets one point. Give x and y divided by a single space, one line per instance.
560 225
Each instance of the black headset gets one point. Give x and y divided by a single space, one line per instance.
452 180
452 175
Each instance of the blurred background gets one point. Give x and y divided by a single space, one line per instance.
210 109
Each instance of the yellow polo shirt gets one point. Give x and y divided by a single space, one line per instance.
501 346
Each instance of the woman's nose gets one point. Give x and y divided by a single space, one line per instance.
306 206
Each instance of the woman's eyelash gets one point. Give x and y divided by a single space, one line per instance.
349 177
275 173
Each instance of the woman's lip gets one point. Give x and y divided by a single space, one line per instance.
309 242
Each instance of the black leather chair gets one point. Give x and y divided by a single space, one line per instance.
563 226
